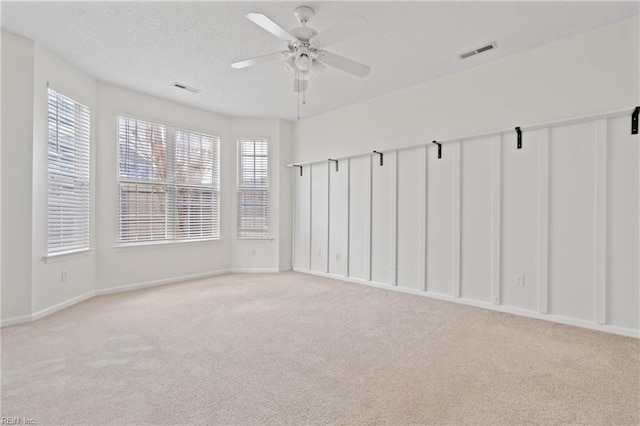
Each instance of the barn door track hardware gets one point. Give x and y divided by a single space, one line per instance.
335 161
634 121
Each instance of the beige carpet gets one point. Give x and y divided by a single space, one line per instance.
293 348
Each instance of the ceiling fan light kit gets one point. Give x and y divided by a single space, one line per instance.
305 46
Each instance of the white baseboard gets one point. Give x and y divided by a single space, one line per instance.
485 305
58 307
15 321
55 308
255 271
130 287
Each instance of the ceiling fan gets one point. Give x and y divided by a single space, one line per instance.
305 47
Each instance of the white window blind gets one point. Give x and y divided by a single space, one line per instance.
169 183
253 189
68 174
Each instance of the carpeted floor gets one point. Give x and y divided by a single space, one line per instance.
294 348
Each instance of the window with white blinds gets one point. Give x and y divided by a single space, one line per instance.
253 189
169 183
68 174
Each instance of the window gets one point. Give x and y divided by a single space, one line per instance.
68 174
169 183
253 188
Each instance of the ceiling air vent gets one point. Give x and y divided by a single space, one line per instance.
185 87
489 46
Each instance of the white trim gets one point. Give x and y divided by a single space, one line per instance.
255 270
66 255
160 243
120 289
60 306
146 284
531 127
486 305
15 321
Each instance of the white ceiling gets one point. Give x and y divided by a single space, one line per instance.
147 46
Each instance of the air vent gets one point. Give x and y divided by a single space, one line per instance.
185 87
489 46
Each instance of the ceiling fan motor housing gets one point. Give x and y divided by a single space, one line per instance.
303 14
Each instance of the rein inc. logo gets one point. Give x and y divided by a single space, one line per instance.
17 421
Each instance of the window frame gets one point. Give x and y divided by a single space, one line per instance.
170 184
84 176
268 236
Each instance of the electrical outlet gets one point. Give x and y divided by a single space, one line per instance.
253 252
64 275
337 256
518 280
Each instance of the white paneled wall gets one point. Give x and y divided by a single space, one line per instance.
550 230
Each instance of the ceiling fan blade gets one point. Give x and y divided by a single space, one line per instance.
344 64
259 59
339 32
268 25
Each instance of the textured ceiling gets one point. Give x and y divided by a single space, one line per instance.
147 46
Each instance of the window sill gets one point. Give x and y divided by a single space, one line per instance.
66 255
255 239
157 244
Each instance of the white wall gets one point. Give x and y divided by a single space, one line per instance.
48 289
32 285
563 211
266 255
285 190
588 73
17 136
119 266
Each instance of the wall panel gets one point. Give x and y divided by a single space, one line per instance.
302 217
338 217
411 209
360 218
319 217
623 215
383 202
520 220
572 220
475 232
439 220
550 230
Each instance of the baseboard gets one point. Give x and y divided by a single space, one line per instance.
55 308
58 307
138 286
254 271
15 321
485 305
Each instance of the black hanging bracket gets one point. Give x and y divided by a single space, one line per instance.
519 132
634 121
439 148
381 157
295 165
336 161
